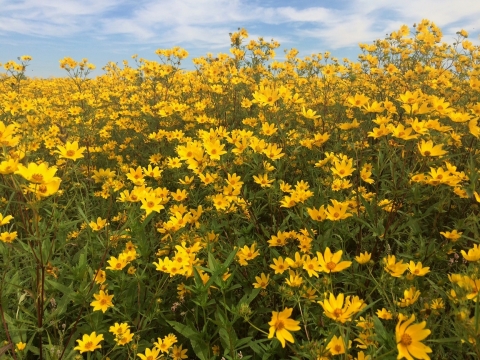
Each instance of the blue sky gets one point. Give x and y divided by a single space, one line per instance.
114 30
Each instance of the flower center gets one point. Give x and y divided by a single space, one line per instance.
37 178
70 152
89 345
337 313
331 265
279 325
406 340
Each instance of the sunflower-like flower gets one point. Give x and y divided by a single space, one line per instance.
409 339
281 325
331 262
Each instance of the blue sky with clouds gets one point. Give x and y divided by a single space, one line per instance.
114 30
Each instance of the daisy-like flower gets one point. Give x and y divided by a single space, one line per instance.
281 325
363 258
5 220
102 301
427 148
453 235
384 314
409 337
417 269
89 343
341 309
261 281
396 269
336 346
70 151
153 354
331 262
473 254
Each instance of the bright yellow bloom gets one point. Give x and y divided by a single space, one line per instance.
89 343
336 310
37 174
263 180
214 149
427 148
5 220
410 297
338 211
473 254
343 168
178 353
70 151
295 280
261 281
246 254
98 225
396 269
336 346
8 237
409 337
102 301
116 264
151 203
312 266
363 258
417 269
153 354
279 265
331 262
281 325
384 314
20 346
454 235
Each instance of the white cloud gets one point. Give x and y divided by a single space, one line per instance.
207 22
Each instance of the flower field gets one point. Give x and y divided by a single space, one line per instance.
252 208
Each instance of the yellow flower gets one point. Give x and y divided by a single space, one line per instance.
473 254
281 325
70 151
338 211
384 314
363 258
5 220
427 148
295 280
37 174
263 180
20 346
150 354
396 269
102 301
8 237
98 225
246 254
336 346
261 281
417 269
335 309
45 189
409 337
312 266
454 235
89 343
279 265
178 353
116 264
100 277
331 262
410 297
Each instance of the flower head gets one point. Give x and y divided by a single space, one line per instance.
281 325
89 343
409 337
